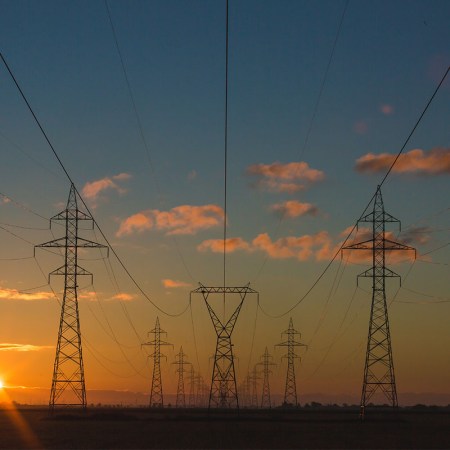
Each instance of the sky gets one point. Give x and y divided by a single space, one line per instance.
309 139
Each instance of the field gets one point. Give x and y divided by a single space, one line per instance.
102 428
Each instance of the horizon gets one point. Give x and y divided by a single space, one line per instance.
322 96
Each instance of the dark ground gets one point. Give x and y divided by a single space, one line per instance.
103 428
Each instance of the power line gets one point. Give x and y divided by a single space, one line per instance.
81 198
367 206
324 79
141 130
313 118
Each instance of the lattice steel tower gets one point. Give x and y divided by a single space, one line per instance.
192 386
266 363
156 393
68 370
223 393
254 394
290 391
181 363
379 366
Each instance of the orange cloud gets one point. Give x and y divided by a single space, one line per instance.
124 297
184 219
8 347
387 109
417 161
136 223
302 247
216 245
294 208
410 238
92 189
291 177
14 294
173 284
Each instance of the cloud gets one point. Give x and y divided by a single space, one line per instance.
92 189
301 248
136 223
294 208
173 284
14 294
184 219
417 161
360 127
410 238
216 245
8 347
123 296
4 199
290 177
416 235
387 109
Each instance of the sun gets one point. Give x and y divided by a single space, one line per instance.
1 384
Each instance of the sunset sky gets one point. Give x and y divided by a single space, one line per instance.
305 155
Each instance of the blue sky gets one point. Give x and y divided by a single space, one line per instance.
387 62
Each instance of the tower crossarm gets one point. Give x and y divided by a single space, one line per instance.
392 245
76 214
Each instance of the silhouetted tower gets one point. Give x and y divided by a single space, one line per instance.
223 392
181 370
68 369
266 363
254 382
379 366
245 391
192 386
156 393
290 391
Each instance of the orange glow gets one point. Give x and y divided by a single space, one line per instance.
18 422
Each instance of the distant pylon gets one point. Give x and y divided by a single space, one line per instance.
379 366
192 387
156 393
223 392
254 377
290 391
181 363
266 363
68 369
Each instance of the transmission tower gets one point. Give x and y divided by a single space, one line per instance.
68 369
290 391
156 393
181 363
266 363
192 386
254 381
379 365
223 393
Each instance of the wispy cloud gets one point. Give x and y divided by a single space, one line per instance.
93 189
124 297
294 208
302 247
290 177
8 347
216 245
174 284
14 294
184 219
319 246
387 109
417 161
